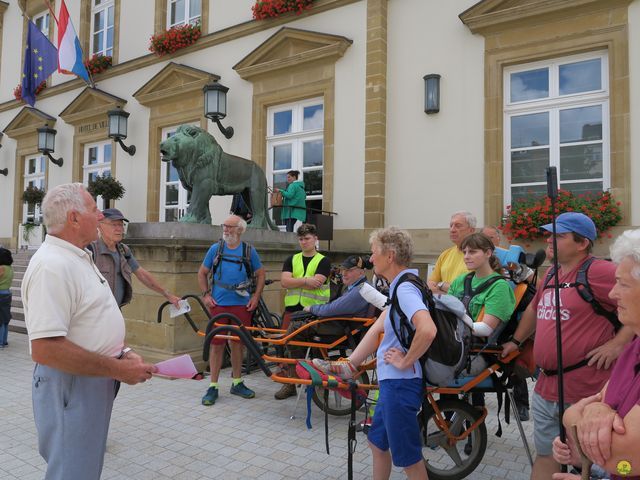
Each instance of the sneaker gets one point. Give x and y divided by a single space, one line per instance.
242 391
342 368
210 397
523 413
287 390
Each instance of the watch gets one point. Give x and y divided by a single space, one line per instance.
440 285
518 343
124 352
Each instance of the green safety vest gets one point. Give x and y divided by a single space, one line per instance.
302 296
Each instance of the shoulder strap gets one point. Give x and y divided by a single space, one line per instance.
124 250
404 331
470 292
246 259
584 289
217 258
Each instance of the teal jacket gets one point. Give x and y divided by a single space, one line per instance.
294 196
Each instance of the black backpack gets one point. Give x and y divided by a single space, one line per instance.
6 258
447 355
584 290
245 260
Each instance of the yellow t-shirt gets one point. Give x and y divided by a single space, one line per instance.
449 266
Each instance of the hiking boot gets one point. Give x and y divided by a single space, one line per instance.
242 391
287 390
210 397
342 368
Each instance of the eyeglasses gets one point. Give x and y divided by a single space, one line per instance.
224 225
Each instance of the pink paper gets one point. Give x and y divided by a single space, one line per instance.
177 367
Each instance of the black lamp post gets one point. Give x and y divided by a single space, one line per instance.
215 105
431 93
47 143
118 119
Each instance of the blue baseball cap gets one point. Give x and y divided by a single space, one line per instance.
574 222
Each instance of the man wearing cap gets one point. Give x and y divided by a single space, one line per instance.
590 342
116 262
350 303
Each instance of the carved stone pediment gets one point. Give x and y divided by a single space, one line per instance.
172 81
27 121
89 104
494 15
291 47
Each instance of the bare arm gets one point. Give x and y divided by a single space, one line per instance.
61 354
624 447
255 298
369 343
150 282
203 283
425 333
526 328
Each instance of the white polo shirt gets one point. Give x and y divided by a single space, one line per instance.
65 295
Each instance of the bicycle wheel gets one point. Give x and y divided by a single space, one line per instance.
337 404
450 462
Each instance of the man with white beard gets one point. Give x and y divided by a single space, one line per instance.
235 284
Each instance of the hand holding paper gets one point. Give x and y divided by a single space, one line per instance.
177 367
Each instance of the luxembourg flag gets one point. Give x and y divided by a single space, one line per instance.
69 51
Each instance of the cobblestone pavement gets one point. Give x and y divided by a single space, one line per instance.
159 430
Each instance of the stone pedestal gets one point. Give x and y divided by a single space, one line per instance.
173 252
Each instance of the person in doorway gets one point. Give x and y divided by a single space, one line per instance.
116 262
294 200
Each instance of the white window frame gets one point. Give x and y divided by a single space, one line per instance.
44 15
100 167
297 137
187 20
553 104
38 179
103 49
183 193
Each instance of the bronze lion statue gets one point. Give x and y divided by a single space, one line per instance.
205 170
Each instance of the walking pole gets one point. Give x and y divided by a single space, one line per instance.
552 192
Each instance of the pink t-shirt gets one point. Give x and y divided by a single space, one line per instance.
623 391
582 331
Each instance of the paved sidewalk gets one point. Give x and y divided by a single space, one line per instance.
159 430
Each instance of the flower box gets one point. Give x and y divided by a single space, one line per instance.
274 8
174 39
98 63
523 219
17 92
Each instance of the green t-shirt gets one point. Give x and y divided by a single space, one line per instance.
498 300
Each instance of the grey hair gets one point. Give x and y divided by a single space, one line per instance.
468 216
59 201
627 245
242 223
396 240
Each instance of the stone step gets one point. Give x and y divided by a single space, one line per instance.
17 326
17 313
16 302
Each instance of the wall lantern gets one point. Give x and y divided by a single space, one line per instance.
215 105
118 119
47 143
431 93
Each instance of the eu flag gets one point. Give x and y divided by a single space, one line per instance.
40 61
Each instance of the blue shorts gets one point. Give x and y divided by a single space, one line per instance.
395 423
